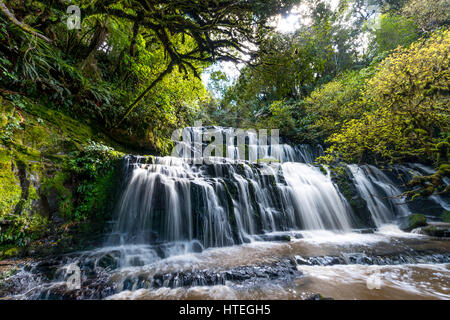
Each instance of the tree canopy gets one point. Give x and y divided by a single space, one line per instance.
124 51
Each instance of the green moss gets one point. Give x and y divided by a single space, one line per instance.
10 253
446 216
10 191
96 196
149 159
416 221
58 152
269 160
434 231
323 170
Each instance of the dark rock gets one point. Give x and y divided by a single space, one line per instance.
197 247
439 231
302 261
108 262
412 221
275 237
317 296
285 269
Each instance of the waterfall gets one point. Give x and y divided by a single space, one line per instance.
193 144
320 204
229 200
380 193
224 203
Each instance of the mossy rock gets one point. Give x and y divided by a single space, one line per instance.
10 190
416 221
436 231
446 216
268 160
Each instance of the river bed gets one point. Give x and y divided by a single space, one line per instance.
386 264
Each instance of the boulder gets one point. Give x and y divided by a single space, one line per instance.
413 221
446 216
317 296
435 229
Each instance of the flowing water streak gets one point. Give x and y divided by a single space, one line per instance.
227 201
224 203
320 204
379 193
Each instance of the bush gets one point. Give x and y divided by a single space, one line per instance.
92 171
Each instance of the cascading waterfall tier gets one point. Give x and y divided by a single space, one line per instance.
228 201
224 203
380 193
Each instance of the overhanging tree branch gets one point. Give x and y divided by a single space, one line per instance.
145 92
226 30
22 25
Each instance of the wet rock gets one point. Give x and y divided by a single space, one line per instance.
92 289
108 262
128 284
275 237
363 259
197 247
302 261
285 269
439 230
47 268
365 231
319 261
297 235
357 258
412 222
317 296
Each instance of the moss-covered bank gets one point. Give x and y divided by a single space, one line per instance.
57 180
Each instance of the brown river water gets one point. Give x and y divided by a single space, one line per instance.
386 264
339 281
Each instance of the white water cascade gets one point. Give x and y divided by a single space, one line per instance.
320 204
225 203
228 201
380 193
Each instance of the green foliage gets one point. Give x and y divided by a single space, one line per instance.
24 229
289 67
10 190
411 115
337 102
20 223
394 31
94 160
173 102
430 14
446 216
92 171
122 50
86 182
